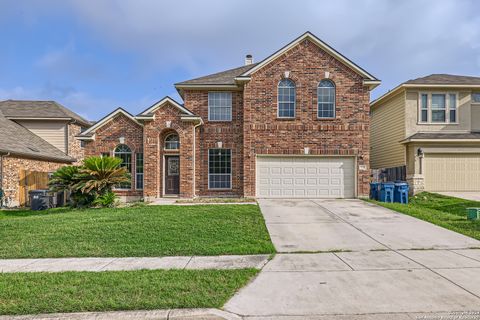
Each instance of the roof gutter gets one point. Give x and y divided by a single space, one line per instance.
40 157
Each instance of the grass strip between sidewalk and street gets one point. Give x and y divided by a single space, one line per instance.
35 293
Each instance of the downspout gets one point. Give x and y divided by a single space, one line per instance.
194 156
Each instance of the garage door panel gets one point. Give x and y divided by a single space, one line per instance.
305 177
452 172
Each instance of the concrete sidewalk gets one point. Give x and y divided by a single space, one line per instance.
173 314
123 264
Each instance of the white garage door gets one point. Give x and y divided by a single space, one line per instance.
452 172
305 177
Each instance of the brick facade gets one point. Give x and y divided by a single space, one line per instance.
11 167
255 128
347 134
107 138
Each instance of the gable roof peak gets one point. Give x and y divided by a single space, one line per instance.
309 35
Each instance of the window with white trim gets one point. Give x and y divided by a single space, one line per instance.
286 99
326 99
219 169
219 106
139 171
438 107
122 151
172 142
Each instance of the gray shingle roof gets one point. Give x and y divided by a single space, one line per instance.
446 79
437 135
224 77
39 109
18 140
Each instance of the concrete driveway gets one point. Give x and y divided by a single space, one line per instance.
349 259
474 196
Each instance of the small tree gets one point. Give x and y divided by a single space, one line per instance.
91 181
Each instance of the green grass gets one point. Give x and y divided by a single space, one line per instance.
134 232
447 212
33 293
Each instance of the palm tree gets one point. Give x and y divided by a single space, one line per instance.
99 174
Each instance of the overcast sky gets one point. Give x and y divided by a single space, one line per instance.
96 55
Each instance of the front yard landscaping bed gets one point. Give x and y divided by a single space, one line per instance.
134 232
34 293
447 212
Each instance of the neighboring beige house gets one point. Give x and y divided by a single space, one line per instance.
35 136
427 131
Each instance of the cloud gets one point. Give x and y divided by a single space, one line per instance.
407 38
66 61
80 102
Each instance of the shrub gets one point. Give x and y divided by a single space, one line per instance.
106 200
91 181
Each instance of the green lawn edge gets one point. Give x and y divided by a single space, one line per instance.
145 231
66 292
443 211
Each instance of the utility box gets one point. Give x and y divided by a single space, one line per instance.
473 213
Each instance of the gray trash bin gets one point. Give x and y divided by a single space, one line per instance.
40 199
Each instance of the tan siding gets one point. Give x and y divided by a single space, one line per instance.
476 117
452 172
54 132
388 128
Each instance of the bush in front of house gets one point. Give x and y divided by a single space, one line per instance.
91 183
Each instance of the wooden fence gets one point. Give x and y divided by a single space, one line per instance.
30 180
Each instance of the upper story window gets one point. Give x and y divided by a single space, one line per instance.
438 108
476 97
172 142
124 152
286 99
326 99
219 106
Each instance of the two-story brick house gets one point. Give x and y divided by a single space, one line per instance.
295 124
427 131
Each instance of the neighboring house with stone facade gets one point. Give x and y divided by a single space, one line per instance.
294 125
427 131
36 136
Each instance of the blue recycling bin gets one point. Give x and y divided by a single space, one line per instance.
374 190
386 191
401 192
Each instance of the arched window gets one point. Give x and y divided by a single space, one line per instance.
123 152
326 99
172 142
286 99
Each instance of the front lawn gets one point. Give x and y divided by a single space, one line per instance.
134 232
447 212
33 293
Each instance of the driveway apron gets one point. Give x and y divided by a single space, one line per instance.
342 258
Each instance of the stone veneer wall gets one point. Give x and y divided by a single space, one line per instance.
11 174
75 149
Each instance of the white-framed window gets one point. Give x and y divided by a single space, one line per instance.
476 97
219 106
438 107
124 152
326 99
139 171
219 169
286 99
172 142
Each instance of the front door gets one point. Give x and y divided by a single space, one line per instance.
172 175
